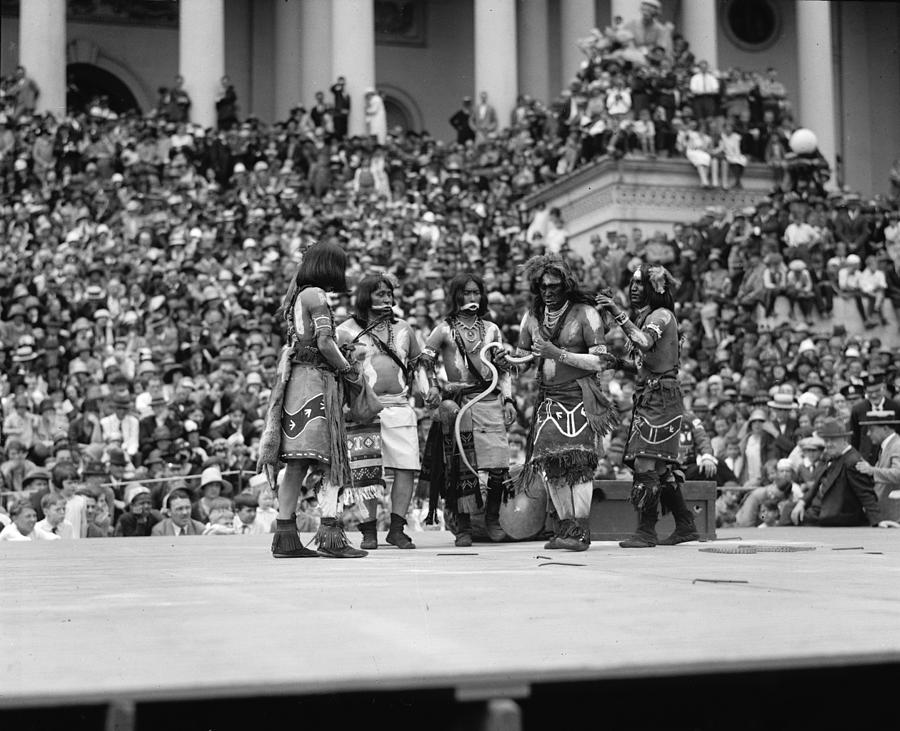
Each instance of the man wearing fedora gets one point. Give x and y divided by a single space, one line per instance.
781 412
881 428
161 418
841 495
876 400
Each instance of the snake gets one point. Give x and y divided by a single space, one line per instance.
495 377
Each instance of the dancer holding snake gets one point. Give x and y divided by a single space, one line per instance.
458 342
565 333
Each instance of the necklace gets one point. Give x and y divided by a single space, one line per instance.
390 332
472 333
551 318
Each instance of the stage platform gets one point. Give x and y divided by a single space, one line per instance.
139 625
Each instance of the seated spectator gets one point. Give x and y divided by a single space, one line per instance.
221 518
54 525
24 518
140 517
695 145
841 494
872 288
769 514
211 488
16 467
644 130
729 157
783 490
179 521
245 518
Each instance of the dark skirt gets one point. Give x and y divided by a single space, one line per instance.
656 421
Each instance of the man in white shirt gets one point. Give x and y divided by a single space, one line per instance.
872 286
24 518
245 519
704 88
54 525
122 425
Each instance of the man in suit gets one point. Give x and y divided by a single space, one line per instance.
881 427
850 225
781 411
841 494
462 122
876 400
485 118
179 522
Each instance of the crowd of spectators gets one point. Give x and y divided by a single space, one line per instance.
143 260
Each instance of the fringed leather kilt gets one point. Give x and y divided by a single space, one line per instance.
656 421
565 448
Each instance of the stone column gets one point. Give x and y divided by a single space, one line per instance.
495 56
315 48
201 55
534 50
288 57
42 51
815 74
576 20
700 28
353 54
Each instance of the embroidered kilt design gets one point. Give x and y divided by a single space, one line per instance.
364 446
564 443
304 424
656 422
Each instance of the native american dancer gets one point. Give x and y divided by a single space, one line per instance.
305 422
653 441
458 340
565 332
387 351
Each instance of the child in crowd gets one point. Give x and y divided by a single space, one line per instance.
221 518
268 508
769 514
54 526
245 520
645 131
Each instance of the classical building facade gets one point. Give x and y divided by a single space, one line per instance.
839 60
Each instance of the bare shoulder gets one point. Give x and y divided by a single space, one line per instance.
492 330
661 316
313 296
586 313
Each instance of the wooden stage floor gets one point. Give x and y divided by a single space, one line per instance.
212 617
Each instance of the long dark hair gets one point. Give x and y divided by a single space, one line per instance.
364 290
324 265
537 266
455 292
655 299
